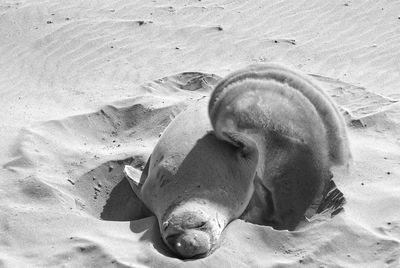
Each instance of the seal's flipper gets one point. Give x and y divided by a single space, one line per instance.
330 204
261 208
136 180
333 200
133 176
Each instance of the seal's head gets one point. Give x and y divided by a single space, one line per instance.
196 183
210 187
192 229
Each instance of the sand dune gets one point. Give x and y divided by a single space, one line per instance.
77 103
75 164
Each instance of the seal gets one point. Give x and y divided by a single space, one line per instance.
259 148
195 184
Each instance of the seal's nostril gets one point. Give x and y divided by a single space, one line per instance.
172 240
192 244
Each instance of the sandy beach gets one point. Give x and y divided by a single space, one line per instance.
88 87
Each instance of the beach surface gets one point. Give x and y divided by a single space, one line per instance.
88 86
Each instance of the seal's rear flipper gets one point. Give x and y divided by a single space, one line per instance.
330 204
333 200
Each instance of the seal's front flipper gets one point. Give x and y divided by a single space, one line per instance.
136 180
261 208
133 176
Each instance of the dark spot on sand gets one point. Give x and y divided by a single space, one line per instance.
289 41
49 22
142 22
357 123
88 248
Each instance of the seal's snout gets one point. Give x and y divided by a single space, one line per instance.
190 232
190 244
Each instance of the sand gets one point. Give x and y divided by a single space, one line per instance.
82 95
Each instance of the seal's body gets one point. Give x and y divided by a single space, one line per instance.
262 152
196 183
